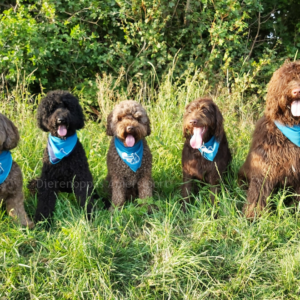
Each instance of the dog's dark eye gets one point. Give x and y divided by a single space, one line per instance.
204 110
119 118
53 109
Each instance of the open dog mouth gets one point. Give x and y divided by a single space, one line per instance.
129 140
62 130
295 108
197 139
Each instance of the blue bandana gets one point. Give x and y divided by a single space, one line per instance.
210 149
58 148
132 156
292 133
5 165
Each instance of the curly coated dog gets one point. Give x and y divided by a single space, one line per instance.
273 159
205 154
65 166
10 173
129 160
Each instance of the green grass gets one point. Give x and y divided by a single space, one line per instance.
166 255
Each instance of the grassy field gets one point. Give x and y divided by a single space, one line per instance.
166 255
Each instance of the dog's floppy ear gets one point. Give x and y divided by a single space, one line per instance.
9 134
148 126
42 112
219 130
184 130
80 119
73 104
108 125
186 134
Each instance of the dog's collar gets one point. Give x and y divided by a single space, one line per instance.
291 132
5 165
58 148
210 149
132 156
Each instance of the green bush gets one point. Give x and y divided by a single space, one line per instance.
64 44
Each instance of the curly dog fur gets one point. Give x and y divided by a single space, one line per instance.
11 189
203 113
128 117
72 172
273 160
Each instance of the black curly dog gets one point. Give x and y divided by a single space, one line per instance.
61 112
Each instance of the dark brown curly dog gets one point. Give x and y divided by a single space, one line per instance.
130 124
11 189
202 121
273 160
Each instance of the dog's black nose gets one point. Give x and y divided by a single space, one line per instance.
193 122
129 128
60 120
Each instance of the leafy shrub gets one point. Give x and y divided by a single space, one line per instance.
64 44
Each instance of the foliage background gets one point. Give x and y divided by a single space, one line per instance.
64 44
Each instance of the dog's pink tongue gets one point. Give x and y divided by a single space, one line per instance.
197 139
295 108
129 141
62 130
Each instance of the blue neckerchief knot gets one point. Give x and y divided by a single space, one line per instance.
5 165
210 149
132 156
58 148
292 133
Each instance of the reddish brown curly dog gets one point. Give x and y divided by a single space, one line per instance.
129 124
202 121
11 189
273 160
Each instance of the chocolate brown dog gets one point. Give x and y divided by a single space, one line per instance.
10 173
205 154
273 159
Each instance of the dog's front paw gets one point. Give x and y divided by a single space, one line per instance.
32 186
249 211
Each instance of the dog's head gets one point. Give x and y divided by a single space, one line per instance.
283 97
202 119
129 122
9 135
60 113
